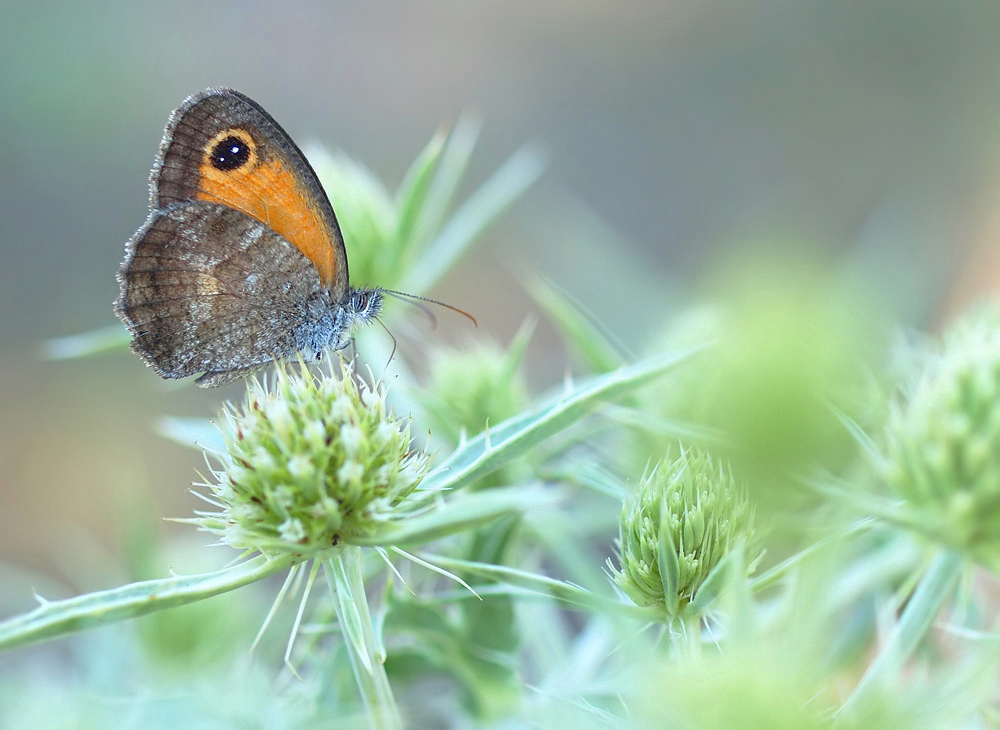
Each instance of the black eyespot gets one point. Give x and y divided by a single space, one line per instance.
230 153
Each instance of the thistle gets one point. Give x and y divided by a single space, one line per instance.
475 386
943 441
311 462
679 524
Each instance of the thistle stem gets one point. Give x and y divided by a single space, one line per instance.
691 630
344 574
914 623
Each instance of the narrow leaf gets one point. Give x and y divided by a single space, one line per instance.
86 343
592 347
863 439
539 584
516 436
456 514
58 618
412 192
473 217
916 620
448 176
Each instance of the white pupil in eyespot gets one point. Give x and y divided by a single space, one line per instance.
230 153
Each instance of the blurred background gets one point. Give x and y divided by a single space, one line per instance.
675 132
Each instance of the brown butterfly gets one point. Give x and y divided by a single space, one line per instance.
241 260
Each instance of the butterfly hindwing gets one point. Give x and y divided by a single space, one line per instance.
194 304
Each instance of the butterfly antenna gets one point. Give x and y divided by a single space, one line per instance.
422 308
413 299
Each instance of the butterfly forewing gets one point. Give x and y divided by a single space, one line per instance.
222 147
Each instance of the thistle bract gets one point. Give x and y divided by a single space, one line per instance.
943 440
311 461
683 519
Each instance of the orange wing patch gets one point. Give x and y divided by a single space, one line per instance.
270 192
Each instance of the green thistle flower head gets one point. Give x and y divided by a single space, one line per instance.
943 441
312 461
476 385
678 525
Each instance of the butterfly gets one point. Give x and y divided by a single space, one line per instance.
241 260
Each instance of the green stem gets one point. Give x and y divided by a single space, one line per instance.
345 576
692 635
918 616
58 618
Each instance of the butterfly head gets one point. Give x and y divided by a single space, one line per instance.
359 308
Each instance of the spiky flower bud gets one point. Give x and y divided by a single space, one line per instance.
474 386
676 527
943 440
311 461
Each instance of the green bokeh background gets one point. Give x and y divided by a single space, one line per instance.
673 130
